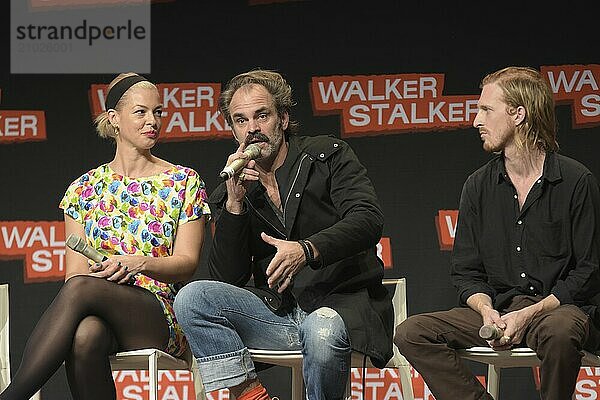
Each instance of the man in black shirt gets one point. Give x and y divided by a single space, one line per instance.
526 251
293 260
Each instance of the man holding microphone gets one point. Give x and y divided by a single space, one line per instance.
526 253
302 220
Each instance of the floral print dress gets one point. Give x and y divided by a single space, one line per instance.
138 216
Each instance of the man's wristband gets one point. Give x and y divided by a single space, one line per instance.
309 255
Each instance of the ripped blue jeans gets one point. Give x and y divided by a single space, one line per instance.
222 321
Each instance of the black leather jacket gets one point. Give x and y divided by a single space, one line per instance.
328 199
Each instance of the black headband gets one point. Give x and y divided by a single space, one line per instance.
116 92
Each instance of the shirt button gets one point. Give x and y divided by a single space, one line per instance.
335 145
518 248
523 275
519 222
539 181
516 197
322 155
297 194
531 288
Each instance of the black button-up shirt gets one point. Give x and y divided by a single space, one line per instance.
550 246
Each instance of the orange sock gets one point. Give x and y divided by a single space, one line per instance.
256 393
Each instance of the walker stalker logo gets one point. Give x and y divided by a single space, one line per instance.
384 384
445 223
22 126
588 384
381 384
41 243
384 251
173 385
222 394
577 85
190 110
377 104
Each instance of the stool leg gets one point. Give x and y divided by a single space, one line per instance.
153 372
297 383
405 379
493 381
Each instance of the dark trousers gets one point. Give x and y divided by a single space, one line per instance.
428 341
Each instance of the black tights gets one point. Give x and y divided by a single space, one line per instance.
89 319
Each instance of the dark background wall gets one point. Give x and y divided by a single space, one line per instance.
415 174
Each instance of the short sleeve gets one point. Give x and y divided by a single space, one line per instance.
71 201
195 203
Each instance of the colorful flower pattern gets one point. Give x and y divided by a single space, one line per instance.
138 216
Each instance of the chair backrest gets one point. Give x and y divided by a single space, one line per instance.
4 338
400 314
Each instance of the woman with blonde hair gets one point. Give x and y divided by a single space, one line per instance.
146 216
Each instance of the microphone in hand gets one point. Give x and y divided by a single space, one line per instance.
252 152
490 332
78 244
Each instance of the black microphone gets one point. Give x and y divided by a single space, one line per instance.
251 152
78 244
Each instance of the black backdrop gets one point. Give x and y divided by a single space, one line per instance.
415 174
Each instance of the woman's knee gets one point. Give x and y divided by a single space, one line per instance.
92 338
80 289
78 284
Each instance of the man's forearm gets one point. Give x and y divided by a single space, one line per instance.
548 303
479 302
